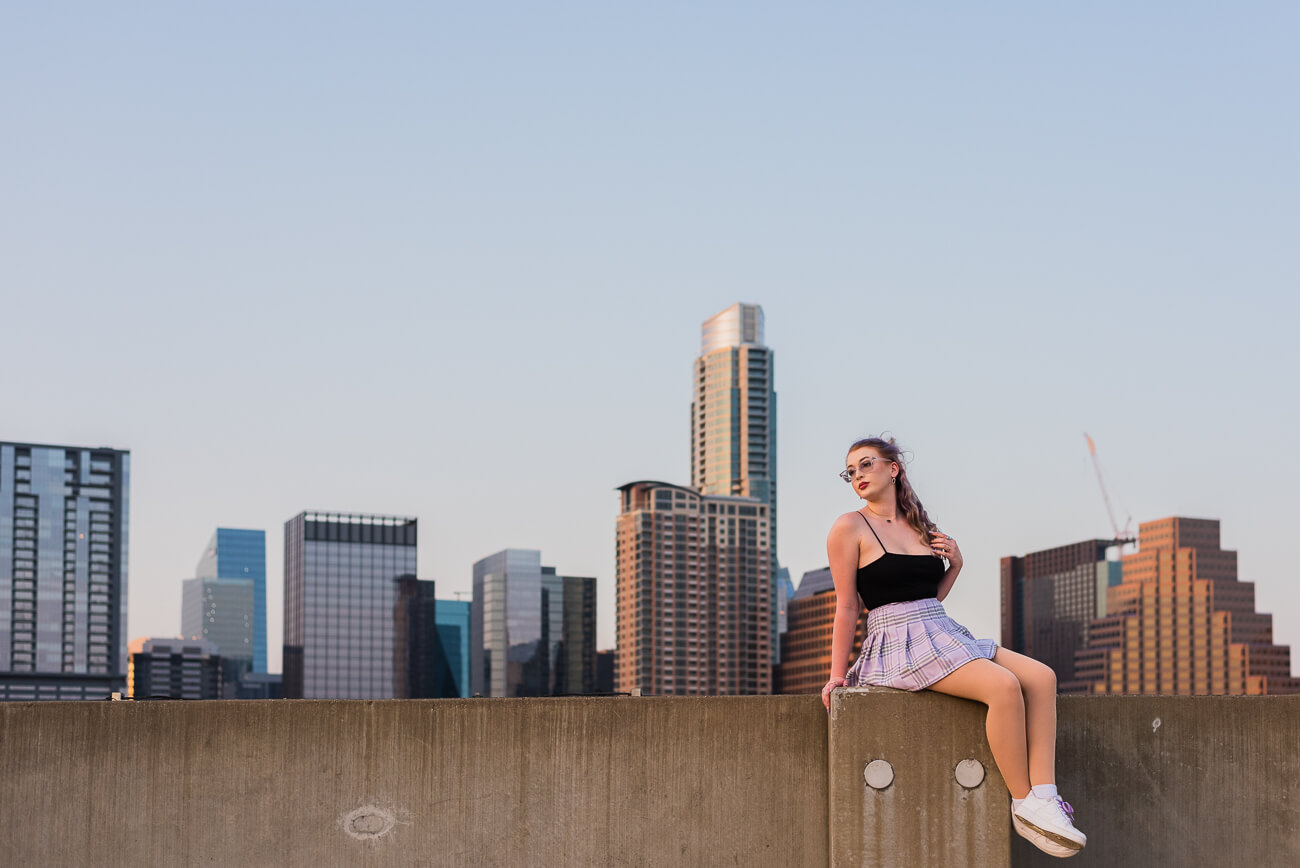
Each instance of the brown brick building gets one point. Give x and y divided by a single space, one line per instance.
805 663
1181 623
694 592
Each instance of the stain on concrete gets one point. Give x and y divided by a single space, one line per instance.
1155 724
367 823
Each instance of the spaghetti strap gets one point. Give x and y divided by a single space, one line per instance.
876 535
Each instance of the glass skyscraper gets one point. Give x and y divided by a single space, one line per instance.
240 554
63 571
340 590
733 414
532 632
733 423
221 612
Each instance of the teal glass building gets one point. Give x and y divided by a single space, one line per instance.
241 554
453 618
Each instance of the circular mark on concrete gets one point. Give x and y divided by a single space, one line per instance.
1155 724
879 774
367 823
970 773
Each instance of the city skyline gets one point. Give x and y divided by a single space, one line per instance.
349 278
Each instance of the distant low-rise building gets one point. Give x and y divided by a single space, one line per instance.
605 671
174 668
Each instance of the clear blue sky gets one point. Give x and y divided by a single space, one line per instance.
450 260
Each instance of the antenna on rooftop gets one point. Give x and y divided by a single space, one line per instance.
1121 536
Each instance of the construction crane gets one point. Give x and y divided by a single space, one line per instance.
1121 536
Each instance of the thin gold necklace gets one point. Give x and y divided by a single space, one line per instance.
878 515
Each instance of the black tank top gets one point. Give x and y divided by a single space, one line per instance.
895 578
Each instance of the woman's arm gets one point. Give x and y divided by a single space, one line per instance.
944 545
842 552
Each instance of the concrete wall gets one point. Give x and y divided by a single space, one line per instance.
610 781
761 781
922 815
1179 780
1155 781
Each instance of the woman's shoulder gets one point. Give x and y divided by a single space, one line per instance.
849 522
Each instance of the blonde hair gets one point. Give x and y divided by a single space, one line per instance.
909 505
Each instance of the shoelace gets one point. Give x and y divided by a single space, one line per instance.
1069 810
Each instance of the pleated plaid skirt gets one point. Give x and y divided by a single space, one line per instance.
911 645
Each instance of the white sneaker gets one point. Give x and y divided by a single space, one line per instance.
1042 842
1052 819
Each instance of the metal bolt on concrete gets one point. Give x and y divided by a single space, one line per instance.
879 774
969 773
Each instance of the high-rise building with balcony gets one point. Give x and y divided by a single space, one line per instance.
1180 622
1050 598
694 592
239 554
733 421
63 571
340 589
532 631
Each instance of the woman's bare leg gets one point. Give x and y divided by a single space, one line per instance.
998 688
1038 682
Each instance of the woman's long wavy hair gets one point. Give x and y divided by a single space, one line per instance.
908 503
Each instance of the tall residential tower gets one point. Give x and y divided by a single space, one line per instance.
63 578
694 592
733 423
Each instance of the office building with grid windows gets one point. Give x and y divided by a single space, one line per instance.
693 592
1051 597
63 571
340 593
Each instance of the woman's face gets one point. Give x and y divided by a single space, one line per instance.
871 474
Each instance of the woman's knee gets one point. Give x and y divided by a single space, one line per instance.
1004 688
1039 678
